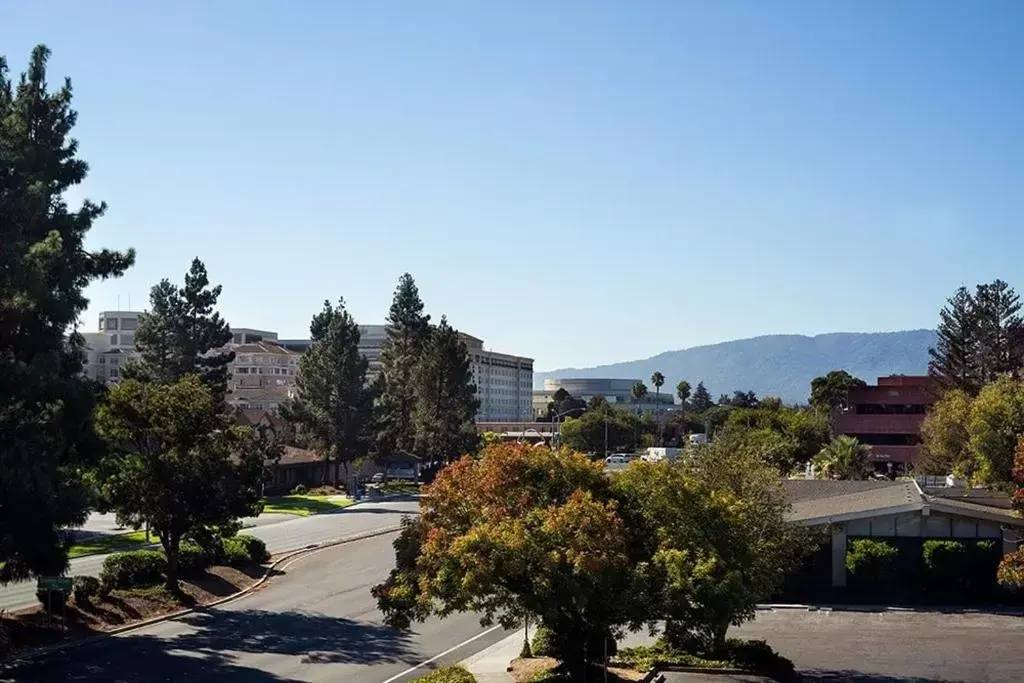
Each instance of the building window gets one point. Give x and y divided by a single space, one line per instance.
113 373
113 339
888 439
128 339
889 409
241 371
111 324
129 323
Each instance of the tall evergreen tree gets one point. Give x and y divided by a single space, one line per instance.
333 404
446 402
407 330
999 329
980 337
182 334
701 400
46 428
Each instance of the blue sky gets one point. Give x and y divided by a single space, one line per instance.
580 182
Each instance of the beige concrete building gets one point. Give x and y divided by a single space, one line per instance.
262 374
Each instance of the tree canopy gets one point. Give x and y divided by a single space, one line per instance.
333 402
831 391
46 427
407 330
446 403
182 334
175 461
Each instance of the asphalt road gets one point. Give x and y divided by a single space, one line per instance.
895 647
293 533
317 622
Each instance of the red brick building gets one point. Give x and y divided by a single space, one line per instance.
888 417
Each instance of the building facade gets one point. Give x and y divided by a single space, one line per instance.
262 375
888 417
119 326
618 392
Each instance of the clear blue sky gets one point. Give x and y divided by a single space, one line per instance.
580 182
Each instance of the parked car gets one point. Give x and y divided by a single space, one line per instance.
616 459
377 478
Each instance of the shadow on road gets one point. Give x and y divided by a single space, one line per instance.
847 676
313 637
214 647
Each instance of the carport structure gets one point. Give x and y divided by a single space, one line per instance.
900 509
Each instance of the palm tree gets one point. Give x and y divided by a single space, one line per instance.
658 380
843 458
639 392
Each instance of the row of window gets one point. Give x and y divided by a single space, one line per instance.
888 439
239 370
125 323
889 409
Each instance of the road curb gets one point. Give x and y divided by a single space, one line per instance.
878 609
267 573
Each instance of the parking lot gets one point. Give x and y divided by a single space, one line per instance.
895 647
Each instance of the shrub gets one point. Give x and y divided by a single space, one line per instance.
757 655
133 569
84 589
256 548
448 674
236 553
52 601
1011 571
965 569
645 658
871 560
541 643
299 490
192 558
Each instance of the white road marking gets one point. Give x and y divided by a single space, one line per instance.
438 656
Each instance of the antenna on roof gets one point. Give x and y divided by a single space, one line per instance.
119 302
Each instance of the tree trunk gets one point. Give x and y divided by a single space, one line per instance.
172 545
327 470
718 637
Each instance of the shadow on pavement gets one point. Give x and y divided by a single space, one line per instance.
847 676
213 646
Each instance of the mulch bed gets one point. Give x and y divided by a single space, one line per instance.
527 669
30 627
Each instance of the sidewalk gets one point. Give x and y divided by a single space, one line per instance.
488 665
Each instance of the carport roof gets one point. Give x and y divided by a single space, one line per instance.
823 502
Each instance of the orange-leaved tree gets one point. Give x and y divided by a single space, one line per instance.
520 532
1011 569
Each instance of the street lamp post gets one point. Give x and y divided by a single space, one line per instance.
555 423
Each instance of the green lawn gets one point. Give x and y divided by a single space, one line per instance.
304 505
109 543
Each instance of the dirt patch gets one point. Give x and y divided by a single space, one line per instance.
31 627
524 670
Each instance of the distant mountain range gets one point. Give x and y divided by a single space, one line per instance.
775 365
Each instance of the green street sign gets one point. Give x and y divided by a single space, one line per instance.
55 583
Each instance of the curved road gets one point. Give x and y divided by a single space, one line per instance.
290 534
314 622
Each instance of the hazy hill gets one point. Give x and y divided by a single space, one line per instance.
774 365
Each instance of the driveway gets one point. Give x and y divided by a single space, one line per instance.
895 647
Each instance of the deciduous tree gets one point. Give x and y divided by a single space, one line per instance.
46 427
446 402
333 402
995 423
831 392
175 461
407 330
945 435
182 334
519 531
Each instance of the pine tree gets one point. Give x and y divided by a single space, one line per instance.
46 427
952 358
333 404
182 334
701 400
446 403
407 330
998 328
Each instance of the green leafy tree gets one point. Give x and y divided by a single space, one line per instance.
945 435
844 458
175 461
1010 573
995 423
587 433
519 531
799 434
683 393
407 330
830 393
701 399
715 528
446 402
182 334
333 402
46 427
